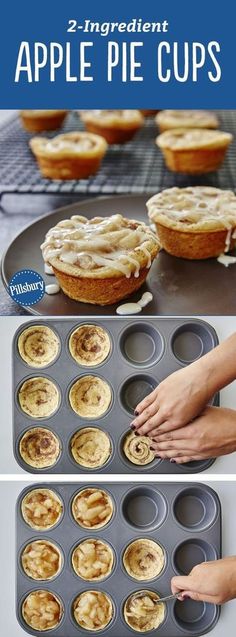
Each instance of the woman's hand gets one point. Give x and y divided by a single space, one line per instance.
213 582
211 435
174 403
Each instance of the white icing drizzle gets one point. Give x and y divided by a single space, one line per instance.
101 242
52 288
226 260
228 240
135 308
48 269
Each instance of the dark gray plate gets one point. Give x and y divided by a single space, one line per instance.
179 287
184 518
143 353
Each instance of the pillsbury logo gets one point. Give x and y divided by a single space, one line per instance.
26 287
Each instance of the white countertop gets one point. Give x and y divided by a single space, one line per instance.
224 327
9 492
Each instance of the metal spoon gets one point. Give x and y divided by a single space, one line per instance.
160 599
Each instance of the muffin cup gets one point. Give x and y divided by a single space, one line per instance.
195 161
39 123
193 245
68 167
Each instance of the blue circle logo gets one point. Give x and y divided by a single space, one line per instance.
26 287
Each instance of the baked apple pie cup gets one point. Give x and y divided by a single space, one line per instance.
102 260
194 151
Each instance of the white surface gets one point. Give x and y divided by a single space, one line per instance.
9 492
224 327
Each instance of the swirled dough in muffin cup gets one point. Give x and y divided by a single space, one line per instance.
93 560
144 559
197 222
137 449
36 121
41 560
194 151
100 260
42 610
89 345
90 397
141 613
169 119
92 508
73 155
38 345
93 610
39 447
39 397
91 447
41 509
116 126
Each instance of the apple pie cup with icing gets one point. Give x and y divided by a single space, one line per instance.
101 260
195 222
170 119
193 151
75 155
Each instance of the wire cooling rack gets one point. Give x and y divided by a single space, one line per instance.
136 167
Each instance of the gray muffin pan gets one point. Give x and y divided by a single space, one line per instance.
143 352
185 519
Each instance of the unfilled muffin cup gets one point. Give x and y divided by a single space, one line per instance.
42 610
38 345
93 559
39 397
90 396
141 613
89 345
92 508
91 447
93 610
190 341
41 509
141 345
144 508
144 559
135 389
195 509
39 448
194 618
190 553
41 560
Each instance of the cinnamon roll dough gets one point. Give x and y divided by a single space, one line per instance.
90 396
39 397
42 610
41 509
38 345
39 447
93 560
41 560
93 610
144 559
89 345
91 447
137 449
142 614
92 508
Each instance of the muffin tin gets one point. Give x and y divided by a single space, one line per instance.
143 353
185 519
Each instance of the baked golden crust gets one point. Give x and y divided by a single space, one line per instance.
149 112
89 345
75 155
91 447
41 509
90 396
144 559
137 449
39 397
38 345
169 119
195 222
36 121
42 610
116 126
92 508
194 151
41 560
101 260
93 560
39 447
141 613
93 610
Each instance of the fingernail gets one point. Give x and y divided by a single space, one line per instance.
136 413
136 433
186 597
132 426
152 448
158 457
172 460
